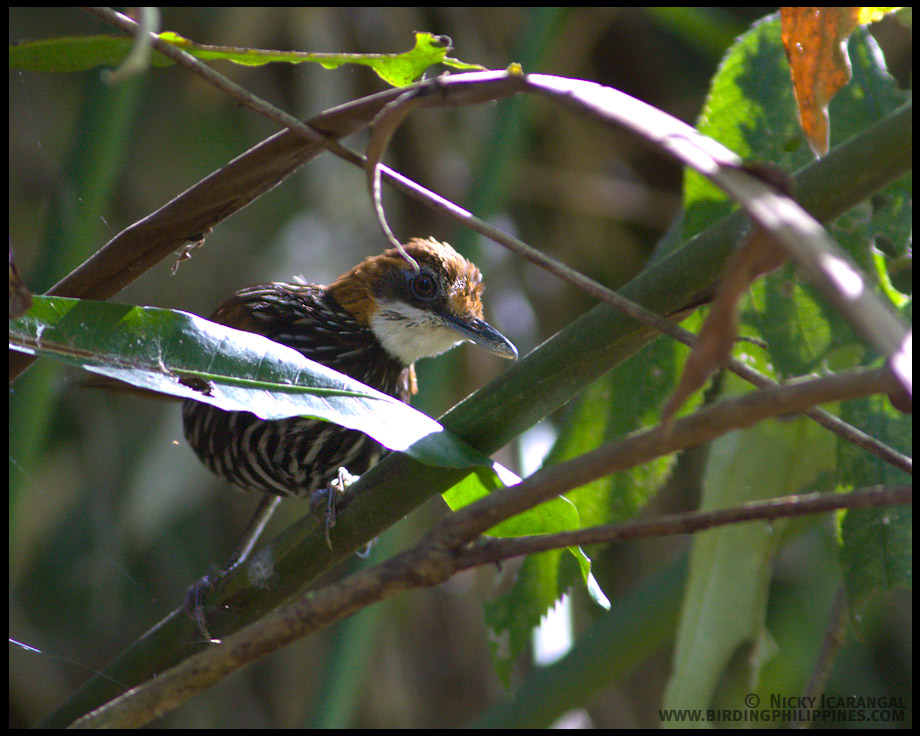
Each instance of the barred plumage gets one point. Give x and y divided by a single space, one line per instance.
372 323
296 456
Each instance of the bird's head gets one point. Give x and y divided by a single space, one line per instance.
419 313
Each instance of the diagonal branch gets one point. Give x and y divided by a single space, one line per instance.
424 565
487 550
508 408
643 446
444 550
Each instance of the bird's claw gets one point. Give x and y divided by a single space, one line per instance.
324 502
195 598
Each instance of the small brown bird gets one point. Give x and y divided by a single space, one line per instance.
372 323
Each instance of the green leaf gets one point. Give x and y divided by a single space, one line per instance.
79 53
730 568
556 515
512 617
74 53
627 398
750 108
875 544
184 355
876 552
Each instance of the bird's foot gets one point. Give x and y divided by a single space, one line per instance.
325 501
196 601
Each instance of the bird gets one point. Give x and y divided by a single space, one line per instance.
372 323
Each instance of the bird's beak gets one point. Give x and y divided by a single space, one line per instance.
486 336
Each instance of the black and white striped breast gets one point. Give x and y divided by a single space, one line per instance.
296 456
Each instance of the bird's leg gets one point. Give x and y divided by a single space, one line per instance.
323 502
196 594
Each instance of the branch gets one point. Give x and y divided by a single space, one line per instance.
835 636
428 563
135 250
587 353
641 447
444 550
493 549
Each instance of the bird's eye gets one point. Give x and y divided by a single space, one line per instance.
424 286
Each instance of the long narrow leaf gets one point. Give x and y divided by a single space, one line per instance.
183 355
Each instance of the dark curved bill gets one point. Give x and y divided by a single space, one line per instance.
486 336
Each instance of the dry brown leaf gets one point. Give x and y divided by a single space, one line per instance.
759 255
815 44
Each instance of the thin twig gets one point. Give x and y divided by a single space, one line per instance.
443 550
426 564
640 447
492 549
834 639
517 246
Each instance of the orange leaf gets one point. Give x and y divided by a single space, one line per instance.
815 44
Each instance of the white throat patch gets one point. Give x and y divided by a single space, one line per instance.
409 333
